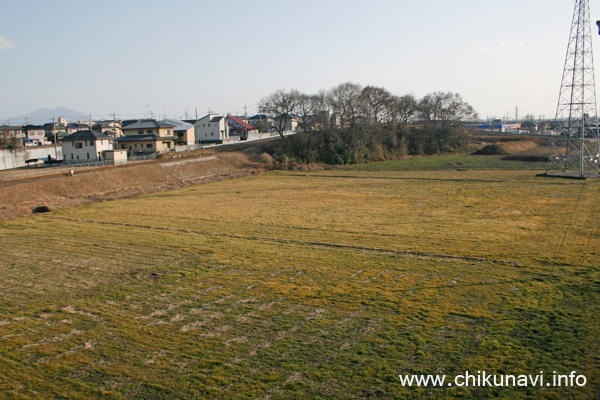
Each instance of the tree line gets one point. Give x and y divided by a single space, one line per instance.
350 123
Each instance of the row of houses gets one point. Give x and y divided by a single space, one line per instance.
211 128
100 142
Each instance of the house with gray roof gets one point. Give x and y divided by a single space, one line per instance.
110 127
183 131
84 146
12 134
145 137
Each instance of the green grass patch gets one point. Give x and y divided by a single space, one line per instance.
449 162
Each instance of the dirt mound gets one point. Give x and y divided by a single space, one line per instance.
118 182
508 147
518 146
490 150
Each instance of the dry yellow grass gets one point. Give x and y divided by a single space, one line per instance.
305 285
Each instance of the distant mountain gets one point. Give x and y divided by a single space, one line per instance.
44 115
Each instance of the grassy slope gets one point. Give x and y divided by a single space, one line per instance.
240 289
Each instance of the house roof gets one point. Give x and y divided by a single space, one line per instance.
179 125
238 121
9 128
105 124
129 122
216 119
139 138
148 124
55 126
85 135
33 127
259 117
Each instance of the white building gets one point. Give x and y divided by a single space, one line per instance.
212 128
84 146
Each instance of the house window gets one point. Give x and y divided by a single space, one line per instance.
212 134
71 156
149 131
149 145
78 145
88 156
135 145
141 132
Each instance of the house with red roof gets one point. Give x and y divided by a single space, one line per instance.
239 127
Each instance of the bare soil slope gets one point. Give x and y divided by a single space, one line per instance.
511 145
56 192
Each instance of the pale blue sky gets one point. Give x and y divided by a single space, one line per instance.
131 56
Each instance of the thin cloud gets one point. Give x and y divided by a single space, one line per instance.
6 44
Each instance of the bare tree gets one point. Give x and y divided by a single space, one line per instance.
280 106
344 100
374 101
442 114
305 111
401 110
445 111
320 110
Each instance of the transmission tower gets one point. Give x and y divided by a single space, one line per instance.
576 149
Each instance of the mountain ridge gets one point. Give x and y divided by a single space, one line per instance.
45 115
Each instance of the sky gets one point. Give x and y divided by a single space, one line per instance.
133 58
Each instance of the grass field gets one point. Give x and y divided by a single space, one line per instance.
294 285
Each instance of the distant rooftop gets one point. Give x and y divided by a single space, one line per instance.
148 124
84 135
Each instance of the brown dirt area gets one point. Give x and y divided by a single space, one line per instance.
21 198
511 145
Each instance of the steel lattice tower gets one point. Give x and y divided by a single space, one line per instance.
577 149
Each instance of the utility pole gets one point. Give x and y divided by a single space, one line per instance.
576 150
246 120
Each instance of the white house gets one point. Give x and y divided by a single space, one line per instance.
212 128
84 146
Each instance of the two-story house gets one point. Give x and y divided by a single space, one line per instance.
84 146
12 133
110 128
34 135
212 128
184 131
146 137
240 128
